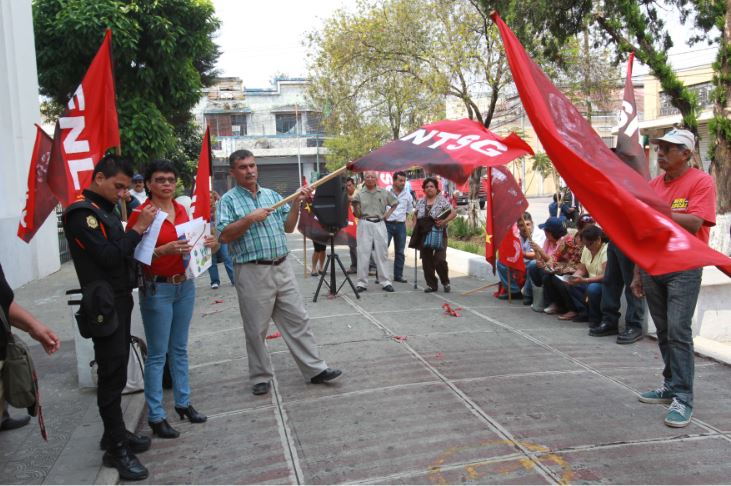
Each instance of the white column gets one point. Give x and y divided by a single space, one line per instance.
19 110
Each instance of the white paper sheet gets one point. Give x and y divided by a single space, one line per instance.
200 257
146 246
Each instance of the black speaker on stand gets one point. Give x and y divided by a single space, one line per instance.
330 205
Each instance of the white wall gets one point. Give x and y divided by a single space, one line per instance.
19 110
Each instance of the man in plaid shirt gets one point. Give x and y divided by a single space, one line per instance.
265 281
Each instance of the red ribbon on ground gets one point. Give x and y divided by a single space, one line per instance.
452 312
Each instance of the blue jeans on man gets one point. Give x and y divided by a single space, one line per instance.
397 231
672 298
618 275
221 256
166 316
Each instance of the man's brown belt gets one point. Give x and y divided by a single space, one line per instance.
268 262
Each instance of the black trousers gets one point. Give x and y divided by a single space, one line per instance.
435 261
111 354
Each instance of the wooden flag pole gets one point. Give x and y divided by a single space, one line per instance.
470 292
315 184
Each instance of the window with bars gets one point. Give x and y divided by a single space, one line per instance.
227 125
287 123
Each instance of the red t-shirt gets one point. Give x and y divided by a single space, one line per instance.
692 193
167 265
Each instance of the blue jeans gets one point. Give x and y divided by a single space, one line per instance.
397 232
221 256
502 272
166 316
672 298
618 275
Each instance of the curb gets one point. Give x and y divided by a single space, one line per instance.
132 415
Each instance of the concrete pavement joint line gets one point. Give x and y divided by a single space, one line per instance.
350 314
285 434
492 424
572 359
212 363
240 411
362 391
618 444
219 331
519 375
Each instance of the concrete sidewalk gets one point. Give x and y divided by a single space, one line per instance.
499 395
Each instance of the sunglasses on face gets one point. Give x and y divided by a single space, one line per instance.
164 180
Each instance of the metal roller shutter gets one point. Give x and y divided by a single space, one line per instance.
283 178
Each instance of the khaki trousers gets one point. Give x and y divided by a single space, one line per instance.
270 292
370 235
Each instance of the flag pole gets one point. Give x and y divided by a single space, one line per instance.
315 184
118 152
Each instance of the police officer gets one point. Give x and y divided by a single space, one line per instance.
102 252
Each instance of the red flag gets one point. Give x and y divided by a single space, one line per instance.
505 204
201 201
628 129
620 199
511 250
450 148
87 130
39 200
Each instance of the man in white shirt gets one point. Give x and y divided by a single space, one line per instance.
138 188
396 223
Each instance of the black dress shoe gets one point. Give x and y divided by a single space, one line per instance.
10 423
516 296
261 388
163 430
629 335
329 374
604 329
388 288
120 458
400 280
191 413
135 443
360 288
429 290
447 288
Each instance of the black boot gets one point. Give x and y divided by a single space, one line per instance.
135 443
163 430
191 413
121 459
9 423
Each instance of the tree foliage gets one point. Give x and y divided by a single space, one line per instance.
163 55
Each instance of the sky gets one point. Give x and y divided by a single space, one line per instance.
261 39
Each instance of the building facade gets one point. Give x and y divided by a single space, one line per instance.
276 124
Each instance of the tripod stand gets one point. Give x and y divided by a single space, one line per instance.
330 268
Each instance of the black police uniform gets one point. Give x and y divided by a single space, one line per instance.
102 250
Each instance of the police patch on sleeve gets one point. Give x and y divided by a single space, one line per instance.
91 222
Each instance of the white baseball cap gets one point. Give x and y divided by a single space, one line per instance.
678 137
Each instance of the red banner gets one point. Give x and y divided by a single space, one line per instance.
201 201
628 129
505 203
450 148
511 250
619 198
39 200
87 130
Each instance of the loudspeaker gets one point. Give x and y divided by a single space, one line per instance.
330 204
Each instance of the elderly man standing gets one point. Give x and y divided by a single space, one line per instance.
265 281
672 297
396 224
371 206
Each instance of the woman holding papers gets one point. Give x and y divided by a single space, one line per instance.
167 301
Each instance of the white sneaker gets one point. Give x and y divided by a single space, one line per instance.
214 285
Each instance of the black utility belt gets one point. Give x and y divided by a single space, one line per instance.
373 219
268 262
175 279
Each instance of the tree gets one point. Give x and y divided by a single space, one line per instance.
163 55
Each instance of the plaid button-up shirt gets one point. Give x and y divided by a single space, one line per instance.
262 241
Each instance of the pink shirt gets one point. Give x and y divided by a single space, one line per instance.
692 193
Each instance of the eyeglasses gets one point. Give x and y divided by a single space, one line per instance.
164 180
666 147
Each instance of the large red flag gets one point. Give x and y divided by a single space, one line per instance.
628 129
450 148
505 204
511 250
87 130
619 198
39 200
201 201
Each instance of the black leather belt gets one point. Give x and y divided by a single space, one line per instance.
175 279
268 262
372 219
